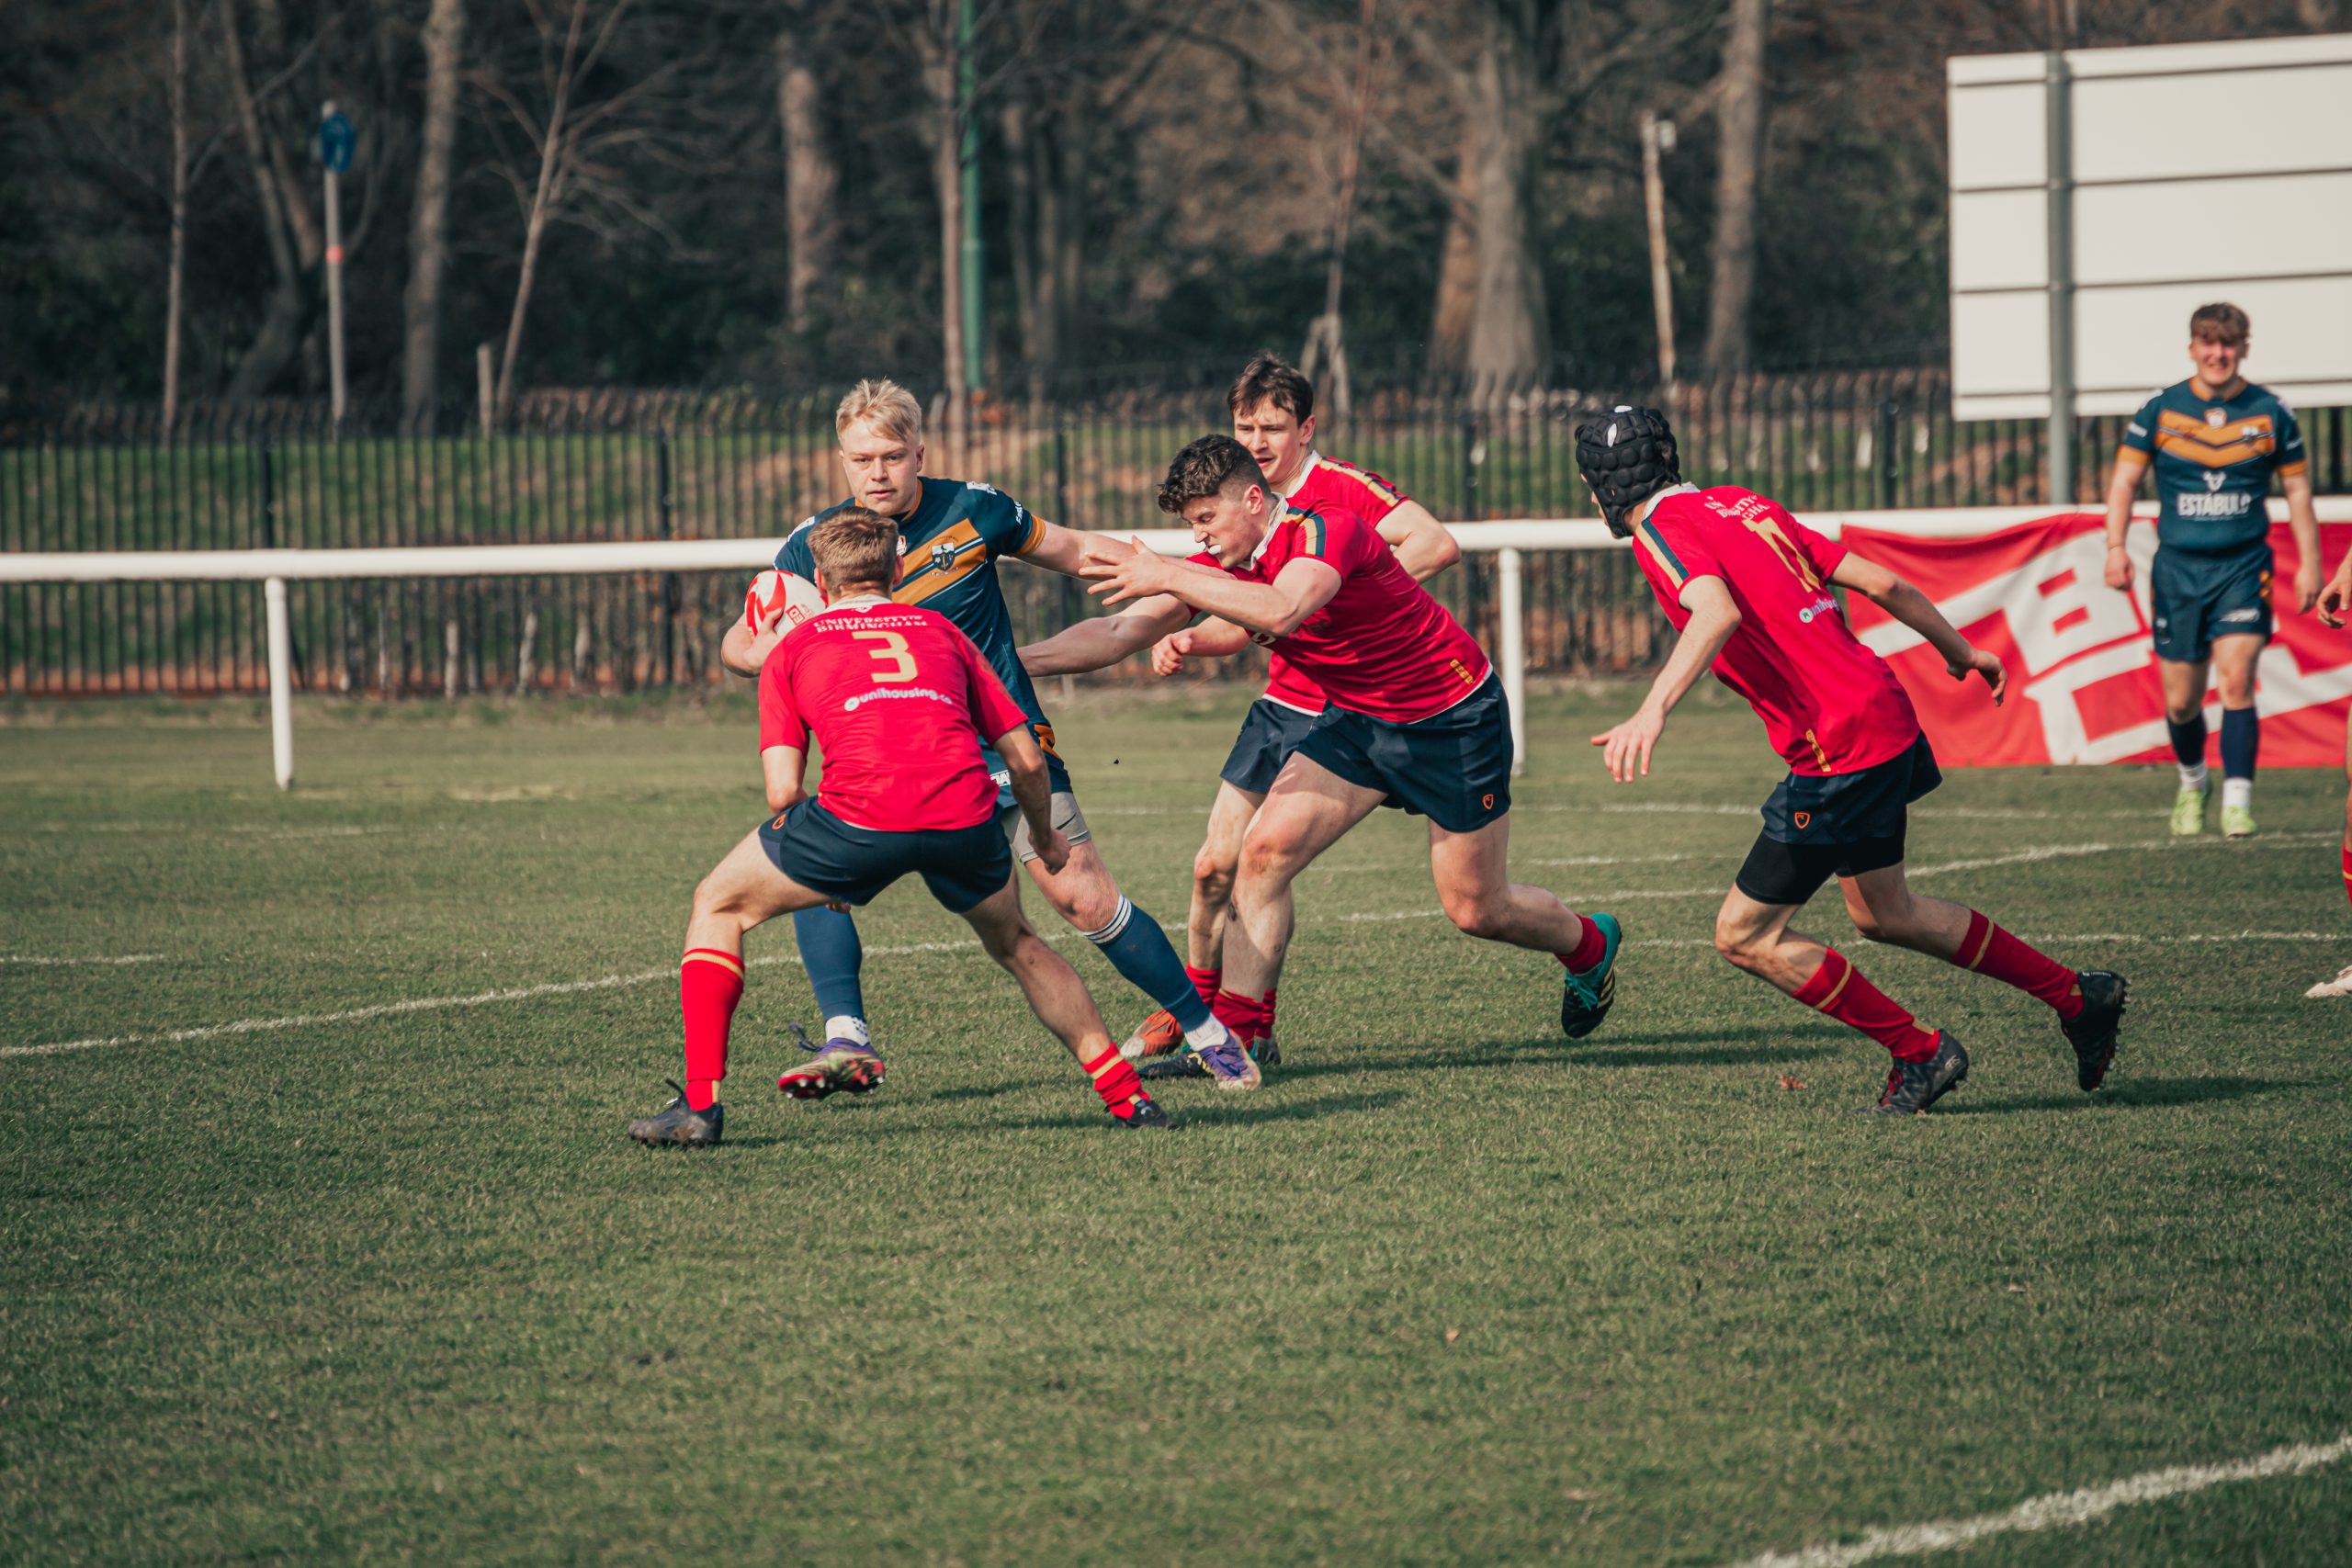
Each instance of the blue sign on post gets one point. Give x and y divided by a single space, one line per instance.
334 142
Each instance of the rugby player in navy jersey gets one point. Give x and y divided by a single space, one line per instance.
2214 441
950 535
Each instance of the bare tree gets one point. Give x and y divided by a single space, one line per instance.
175 290
812 178
428 249
293 237
570 173
1739 114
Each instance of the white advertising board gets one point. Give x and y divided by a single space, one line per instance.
2194 172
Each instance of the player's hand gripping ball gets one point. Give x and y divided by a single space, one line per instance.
773 591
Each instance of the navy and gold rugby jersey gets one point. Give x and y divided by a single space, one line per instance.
2213 459
950 543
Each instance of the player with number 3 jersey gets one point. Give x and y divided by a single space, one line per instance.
902 701
1750 589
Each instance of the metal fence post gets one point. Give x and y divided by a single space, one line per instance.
668 579
1889 465
1473 454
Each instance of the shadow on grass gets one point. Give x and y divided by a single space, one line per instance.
2128 1094
1225 1111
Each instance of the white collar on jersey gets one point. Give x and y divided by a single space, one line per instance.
1649 504
858 602
1298 479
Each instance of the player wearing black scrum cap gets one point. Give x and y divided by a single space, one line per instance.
1749 586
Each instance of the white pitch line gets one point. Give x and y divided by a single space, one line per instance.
426 1004
32 960
611 982
2060 1509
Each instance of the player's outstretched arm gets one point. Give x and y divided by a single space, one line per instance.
1211 639
1915 610
1126 572
784 767
1106 640
2120 490
1024 771
2303 521
1423 547
1713 617
1058 550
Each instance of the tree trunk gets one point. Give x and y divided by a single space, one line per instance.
1740 117
1061 221
1021 171
553 150
811 185
1457 269
174 286
939 72
428 221
280 337
1510 329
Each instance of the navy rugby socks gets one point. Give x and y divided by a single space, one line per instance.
1139 951
830 948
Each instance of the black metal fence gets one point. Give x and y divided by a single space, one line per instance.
608 465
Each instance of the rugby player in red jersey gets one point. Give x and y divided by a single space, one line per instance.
1417 720
901 703
1747 586
1273 407
2334 606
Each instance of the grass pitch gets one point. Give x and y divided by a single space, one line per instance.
389 1282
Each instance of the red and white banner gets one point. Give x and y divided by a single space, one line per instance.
2083 684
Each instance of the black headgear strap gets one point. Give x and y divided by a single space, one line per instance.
1626 455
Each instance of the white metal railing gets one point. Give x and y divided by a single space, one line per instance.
1508 539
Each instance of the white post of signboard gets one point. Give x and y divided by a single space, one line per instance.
2060 173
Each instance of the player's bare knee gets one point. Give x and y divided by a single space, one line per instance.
1213 871
1481 913
1266 859
1737 945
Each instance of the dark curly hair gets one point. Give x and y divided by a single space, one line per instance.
1208 467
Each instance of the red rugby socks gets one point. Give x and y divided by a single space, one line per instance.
2347 871
709 985
1990 950
1838 989
1243 1017
1204 981
1591 947
1115 1079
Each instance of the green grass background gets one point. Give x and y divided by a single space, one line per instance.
1447 1289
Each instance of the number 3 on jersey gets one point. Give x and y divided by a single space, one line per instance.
893 652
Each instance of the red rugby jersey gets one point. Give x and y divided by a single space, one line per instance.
900 701
1326 486
1830 705
1382 645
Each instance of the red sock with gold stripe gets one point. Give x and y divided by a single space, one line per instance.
709 985
1990 950
2347 870
1839 990
1244 1017
1115 1080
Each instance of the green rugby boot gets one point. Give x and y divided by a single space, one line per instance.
2237 821
2189 810
1586 998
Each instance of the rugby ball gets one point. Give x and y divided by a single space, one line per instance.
796 595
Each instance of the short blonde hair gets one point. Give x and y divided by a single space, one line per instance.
884 404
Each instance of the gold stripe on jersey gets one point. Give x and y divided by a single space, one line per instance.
1033 538
1646 540
1388 492
2214 447
923 582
